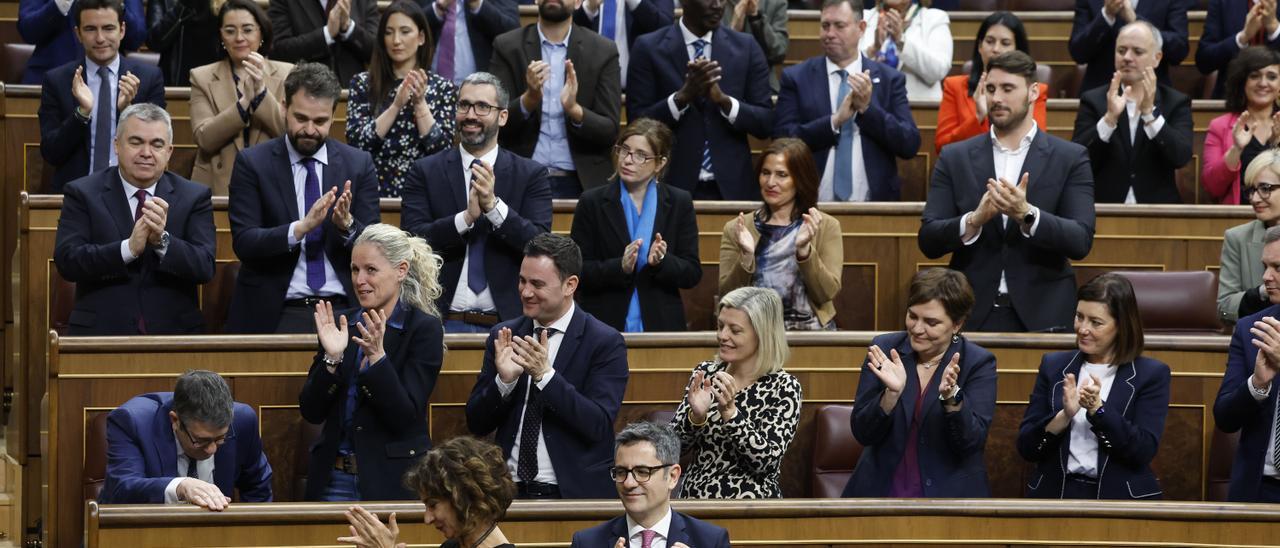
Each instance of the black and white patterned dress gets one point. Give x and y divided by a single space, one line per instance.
741 458
395 153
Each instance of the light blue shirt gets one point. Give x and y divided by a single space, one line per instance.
298 287
92 80
464 60
552 149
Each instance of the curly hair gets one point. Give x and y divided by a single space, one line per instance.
421 287
469 473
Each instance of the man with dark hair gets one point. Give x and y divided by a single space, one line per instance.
136 239
478 206
194 445
337 33
852 111
552 382
1097 23
81 100
646 470
296 205
1138 132
1012 207
50 26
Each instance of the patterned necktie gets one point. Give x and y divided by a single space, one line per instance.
531 426
1275 427
476 278
311 244
445 51
890 53
141 196
699 52
646 538
102 121
609 19
192 470
843 180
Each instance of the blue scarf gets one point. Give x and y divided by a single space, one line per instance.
640 227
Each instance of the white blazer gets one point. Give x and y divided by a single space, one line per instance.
926 59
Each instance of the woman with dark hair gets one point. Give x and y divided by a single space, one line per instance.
1097 413
400 111
185 33
923 432
639 238
237 103
1249 125
466 487
963 111
787 245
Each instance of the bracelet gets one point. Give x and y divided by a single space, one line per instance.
698 424
330 362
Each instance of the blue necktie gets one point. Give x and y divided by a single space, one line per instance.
843 180
102 121
476 280
608 23
890 53
699 51
311 245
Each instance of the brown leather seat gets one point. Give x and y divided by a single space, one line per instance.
62 299
216 295
1066 81
835 451
95 455
1189 80
14 61
1222 452
1180 301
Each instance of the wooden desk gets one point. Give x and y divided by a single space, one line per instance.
94 375
796 523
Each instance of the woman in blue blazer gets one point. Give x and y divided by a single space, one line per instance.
1097 413
925 400
372 395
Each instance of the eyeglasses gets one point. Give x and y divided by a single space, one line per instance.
1263 190
625 153
481 109
203 442
247 30
641 473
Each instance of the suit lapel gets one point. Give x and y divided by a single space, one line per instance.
1072 367
222 91
117 203
820 92
911 393
1034 167
333 175
456 180
983 161
532 45
313 11
284 178
1118 401
572 338
163 440
616 218
224 463
664 208
678 531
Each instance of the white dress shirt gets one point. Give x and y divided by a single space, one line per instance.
1152 129
204 472
463 298
676 112
620 30
1008 164
129 191
861 188
1082 456
546 473
298 287
346 33
662 528
1268 463
92 80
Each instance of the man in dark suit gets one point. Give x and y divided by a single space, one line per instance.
478 206
852 106
296 204
552 382
194 445
47 24
710 84
80 100
1098 22
566 97
622 21
1137 131
337 33
1012 207
1231 26
136 240
1246 400
646 469
464 31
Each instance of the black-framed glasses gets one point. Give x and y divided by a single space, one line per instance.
1263 190
481 109
625 153
641 473
201 443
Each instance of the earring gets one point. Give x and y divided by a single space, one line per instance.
955 338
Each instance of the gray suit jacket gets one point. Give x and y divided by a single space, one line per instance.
1241 267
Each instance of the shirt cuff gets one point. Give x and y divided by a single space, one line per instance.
504 388
1104 130
1242 43
293 240
676 113
964 222
632 5
733 111
171 491
460 223
125 254
1258 395
1111 21
64 6
591 14
1029 232
546 379
328 39
351 28
497 214
1272 37
1154 127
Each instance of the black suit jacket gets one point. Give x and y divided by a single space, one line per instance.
686 529
600 228
110 295
483 27
390 430
1217 47
1147 165
580 403
595 60
1093 41
1041 282
300 26
262 203
434 191
649 15
64 137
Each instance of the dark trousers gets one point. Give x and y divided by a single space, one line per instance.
707 190
1269 490
298 317
1002 318
565 187
1079 487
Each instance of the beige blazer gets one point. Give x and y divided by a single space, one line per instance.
821 272
215 120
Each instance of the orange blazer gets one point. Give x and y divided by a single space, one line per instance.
957 120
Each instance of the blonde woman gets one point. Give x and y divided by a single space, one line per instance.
371 380
1240 290
740 410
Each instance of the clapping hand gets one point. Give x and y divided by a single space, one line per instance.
504 354
630 255
892 21
1010 200
745 241
315 215
861 92
333 336
535 76
804 237
127 90
980 97
531 355
155 214
482 181
342 209
657 250
82 93
1266 338
699 396
372 330
888 369
369 532
1147 102
569 94
1070 396
1090 394
1115 101
725 389
950 378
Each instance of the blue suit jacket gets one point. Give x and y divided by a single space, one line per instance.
64 138
887 128
649 15
657 70
262 202
434 191
494 18
110 295
580 403
693 532
1235 410
1217 45
41 23
142 455
1093 41
951 445
1128 428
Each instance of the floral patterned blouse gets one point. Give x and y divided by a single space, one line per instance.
395 153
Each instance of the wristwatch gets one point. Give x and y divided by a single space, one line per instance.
956 399
164 239
1148 118
1030 217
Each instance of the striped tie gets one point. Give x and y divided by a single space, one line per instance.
699 52
1275 427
